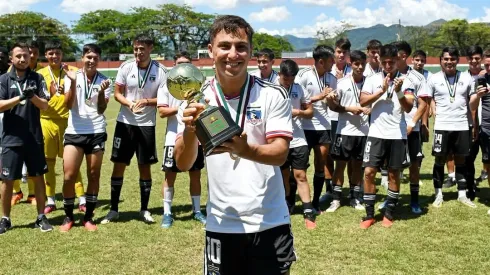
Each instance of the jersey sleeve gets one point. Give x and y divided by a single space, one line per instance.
42 91
67 84
305 95
301 80
367 88
430 86
409 87
163 97
278 123
4 88
121 75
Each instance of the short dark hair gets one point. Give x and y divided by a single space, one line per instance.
322 51
343 43
474 49
230 24
33 44
144 38
288 68
388 50
419 53
486 53
452 51
403 46
4 50
357 56
91 48
180 54
374 44
53 45
265 52
21 45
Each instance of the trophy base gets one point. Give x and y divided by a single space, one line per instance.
215 126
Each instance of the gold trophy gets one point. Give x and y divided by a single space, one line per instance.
214 125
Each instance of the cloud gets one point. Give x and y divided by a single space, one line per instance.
318 2
485 18
306 30
276 14
321 17
7 6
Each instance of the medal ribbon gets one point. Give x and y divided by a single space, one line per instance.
142 82
57 85
452 88
356 88
88 89
18 86
246 87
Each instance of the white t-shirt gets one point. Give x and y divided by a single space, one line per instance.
83 118
451 116
334 116
298 97
314 84
387 115
165 99
369 71
416 84
348 93
128 76
246 196
273 78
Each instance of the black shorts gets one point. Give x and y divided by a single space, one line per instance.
347 148
379 151
451 142
414 146
13 159
314 137
485 147
269 252
130 139
169 164
90 143
298 158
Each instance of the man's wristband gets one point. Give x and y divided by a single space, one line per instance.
400 94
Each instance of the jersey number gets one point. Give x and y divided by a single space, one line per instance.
170 152
117 142
438 139
213 250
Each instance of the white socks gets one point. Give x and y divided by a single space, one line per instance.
438 192
51 201
82 200
196 203
168 196
461 194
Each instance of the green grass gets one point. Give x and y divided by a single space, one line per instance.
449 240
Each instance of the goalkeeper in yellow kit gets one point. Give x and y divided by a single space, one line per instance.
54 121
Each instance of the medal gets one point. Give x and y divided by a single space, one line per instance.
452 88
88 89
391 88
53 78
142 81
140 91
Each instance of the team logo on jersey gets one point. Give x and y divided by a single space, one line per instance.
13 86
153 78
349 90
460 83
309 84
379 87
5 172
133 76
254 116
294 94
96 89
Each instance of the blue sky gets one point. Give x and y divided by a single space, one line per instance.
298 17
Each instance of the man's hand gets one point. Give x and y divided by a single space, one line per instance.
295 112
104 85
482 90
138 106
238 145
398 82
386 83
475 133
424 132
72 75
357 110
190 114
482 73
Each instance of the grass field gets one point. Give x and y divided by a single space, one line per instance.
449 240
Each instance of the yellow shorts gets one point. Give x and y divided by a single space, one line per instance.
53 135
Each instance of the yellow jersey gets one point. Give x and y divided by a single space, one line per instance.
57 108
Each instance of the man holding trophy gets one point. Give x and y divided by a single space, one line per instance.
248 225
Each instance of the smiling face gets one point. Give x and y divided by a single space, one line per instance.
265 64
141 51
358 67
449 63
230 53
341 56
54 57
474 62
90 61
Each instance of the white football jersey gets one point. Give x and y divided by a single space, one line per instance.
387 115
273 77
83 117
451 113
298 96
314 84
348 93
334 116
369 71
129 76
416 84
246 196
165 99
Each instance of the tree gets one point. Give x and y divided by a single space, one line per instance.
27 26
419 38
328 37
461 34
276 43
